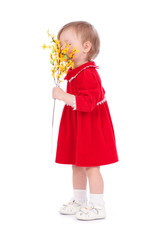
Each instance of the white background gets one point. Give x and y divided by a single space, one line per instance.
32 186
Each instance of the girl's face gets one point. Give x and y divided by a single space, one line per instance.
70 37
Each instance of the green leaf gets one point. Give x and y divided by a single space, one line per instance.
65 56
52 62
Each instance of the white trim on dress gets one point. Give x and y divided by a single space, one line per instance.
74 103
80 72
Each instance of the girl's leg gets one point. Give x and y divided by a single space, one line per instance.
79 177
96 208
79 192
96 185
79 183
95 179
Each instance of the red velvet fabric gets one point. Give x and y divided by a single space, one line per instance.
86 136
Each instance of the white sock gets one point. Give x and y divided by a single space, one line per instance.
97 199
80 195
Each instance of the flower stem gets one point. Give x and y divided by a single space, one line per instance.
52 126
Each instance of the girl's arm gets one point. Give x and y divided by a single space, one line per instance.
68 98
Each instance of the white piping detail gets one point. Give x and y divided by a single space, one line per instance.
80 72
102 101
74 103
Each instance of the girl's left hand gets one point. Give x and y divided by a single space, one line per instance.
58 93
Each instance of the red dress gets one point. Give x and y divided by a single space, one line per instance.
86 135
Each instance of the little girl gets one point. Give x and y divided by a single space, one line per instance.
86 137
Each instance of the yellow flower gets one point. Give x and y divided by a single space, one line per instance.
60 60
53 75
67 45
64 51
44 46
48 33
75 50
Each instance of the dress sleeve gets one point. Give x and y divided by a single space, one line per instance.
88 92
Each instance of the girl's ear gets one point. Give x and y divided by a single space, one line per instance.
87 46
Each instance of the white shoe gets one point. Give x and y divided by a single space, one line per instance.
71 208
91 212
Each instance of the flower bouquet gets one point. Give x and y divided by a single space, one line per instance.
61 61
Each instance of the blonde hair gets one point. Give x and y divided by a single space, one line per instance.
87 33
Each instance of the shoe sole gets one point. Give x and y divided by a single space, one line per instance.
96 218
63 213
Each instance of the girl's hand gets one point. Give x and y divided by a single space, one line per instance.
58 93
